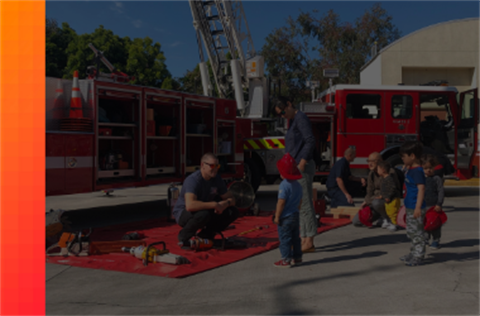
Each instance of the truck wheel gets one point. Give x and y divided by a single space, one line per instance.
252 174
271 179
395 161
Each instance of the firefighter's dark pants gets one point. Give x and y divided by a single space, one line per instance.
206 220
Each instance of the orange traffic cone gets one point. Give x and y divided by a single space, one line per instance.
76 101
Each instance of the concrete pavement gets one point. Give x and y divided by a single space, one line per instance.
355 271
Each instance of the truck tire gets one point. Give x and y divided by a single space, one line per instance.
252 174
271 179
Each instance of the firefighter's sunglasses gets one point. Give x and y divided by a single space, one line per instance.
212 165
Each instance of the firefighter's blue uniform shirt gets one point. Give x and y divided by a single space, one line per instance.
341 169
414 177
299 140
291 192
205 191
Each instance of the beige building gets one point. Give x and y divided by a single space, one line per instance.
447 51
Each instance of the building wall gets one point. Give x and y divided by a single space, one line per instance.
372 75
446 51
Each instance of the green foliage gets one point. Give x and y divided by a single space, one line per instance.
192 82
147 63
301 50
140 58
57 40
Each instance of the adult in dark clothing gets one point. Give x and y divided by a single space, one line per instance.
204 203
339 182
300 144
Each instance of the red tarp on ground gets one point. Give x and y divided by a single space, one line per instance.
159 230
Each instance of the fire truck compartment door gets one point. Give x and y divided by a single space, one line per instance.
467 129
400 112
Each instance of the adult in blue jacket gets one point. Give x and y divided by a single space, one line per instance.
300 144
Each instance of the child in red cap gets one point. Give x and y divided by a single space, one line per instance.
287 215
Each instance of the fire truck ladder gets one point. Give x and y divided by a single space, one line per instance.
219 24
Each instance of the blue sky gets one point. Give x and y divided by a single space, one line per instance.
170 22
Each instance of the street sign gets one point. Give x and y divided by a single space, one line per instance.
312 84
330 72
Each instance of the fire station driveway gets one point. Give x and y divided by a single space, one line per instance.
355 271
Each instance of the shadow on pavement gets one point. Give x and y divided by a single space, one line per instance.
345 258
461 243
439 257
367 241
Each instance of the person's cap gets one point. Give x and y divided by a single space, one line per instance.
288 168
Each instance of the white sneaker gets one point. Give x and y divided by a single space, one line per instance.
385 223
391 227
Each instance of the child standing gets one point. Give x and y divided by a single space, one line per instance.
434 194
287 215
390 193
414 202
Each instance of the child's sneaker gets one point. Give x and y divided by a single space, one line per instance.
406 257
435 245
385 224
414 262
198 243
296 262
391 227
282 264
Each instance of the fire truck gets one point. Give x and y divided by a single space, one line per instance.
130 136
382 118
369 118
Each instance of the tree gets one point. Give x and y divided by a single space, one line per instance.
147 63
348 46
287 59
192 82
301 50
140 58
57 41
114 48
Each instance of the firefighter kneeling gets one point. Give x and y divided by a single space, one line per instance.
204 203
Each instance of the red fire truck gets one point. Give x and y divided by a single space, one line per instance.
141 136
380 118
132 135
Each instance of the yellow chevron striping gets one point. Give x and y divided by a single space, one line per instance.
253 144
277 141
263 144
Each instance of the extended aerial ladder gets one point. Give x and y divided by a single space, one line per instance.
222 27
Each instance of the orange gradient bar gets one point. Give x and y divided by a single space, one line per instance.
22 157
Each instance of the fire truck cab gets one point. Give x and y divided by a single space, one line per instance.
382 118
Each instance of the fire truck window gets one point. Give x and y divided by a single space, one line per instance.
363 106
402 106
